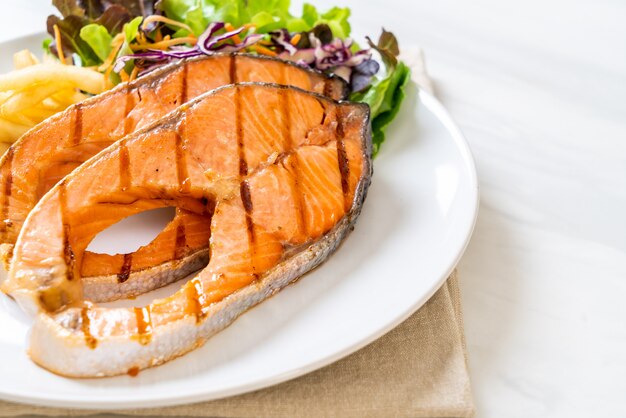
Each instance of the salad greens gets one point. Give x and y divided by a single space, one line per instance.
385 95
99 16
266 15
126 38
98 39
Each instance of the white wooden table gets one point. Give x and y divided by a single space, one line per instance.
539 89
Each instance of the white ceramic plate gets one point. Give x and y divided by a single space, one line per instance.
415 224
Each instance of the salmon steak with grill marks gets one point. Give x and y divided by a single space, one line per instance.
281 172
50 151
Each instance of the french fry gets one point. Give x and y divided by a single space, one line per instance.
4 96
23 59
68 97
52 104
82 78
38 113
30 97
11 130
36 91
4 146
20 119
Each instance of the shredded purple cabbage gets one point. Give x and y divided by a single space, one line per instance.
208 43
335 57
318 50
362 74
282 38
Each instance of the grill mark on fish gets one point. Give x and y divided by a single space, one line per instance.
8 185
124 167
210 205
129 105
232 69
144 325
184 182
183 82
180 245
246 199
52 299
90 340
284 102
68 253
244 188
243 165
118 203
70 161
342 159
76 129
127 264
328 88
195 299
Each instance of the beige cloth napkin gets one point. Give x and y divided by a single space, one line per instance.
419 369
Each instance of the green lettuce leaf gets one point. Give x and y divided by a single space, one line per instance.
310 14
131 29
83 23
267 15
98 39
385 95
337 19
189 12
69 28
130 32
45 45
385 98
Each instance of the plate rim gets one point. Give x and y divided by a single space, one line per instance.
461 144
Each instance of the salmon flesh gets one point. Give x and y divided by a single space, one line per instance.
46 154
281 172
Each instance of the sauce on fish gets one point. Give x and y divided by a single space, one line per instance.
195 299
90 340
124 273
144 325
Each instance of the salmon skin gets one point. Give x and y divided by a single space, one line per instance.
286 172
44 155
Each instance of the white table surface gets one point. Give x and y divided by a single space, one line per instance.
539 89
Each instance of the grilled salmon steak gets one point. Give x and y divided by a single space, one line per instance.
46 154
282 173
